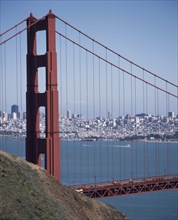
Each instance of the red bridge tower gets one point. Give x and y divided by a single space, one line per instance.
49 145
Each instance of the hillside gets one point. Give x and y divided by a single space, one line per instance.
29 192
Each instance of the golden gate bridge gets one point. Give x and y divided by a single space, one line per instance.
95 81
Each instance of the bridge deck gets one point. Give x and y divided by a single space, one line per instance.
126 187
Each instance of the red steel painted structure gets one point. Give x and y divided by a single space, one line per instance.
126 187
35 145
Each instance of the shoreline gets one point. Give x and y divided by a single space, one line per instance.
100 139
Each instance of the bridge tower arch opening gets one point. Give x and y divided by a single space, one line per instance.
49 145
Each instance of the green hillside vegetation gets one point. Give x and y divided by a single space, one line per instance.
28 192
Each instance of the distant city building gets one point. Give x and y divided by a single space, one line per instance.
171 114
137 120
5 116
69 114
24 115
109 115
14 108
74 115
128 116
80 116
14 116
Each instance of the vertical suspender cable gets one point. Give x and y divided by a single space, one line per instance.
20 50
5 89
155 96
147 104
146 109
131 89
80 91
74 122
123 93
131 94
158 130
107 111
143 92
94 166
112 123
167 109
147 148
144 124
135 93
61 98
5 81
74 79
111 93
119 101
100 110
88 173
167 105
61 78
156 144
17 84
124 117
66 63
119 92
169 147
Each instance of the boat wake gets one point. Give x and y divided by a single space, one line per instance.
122 146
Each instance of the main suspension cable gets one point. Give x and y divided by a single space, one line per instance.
125 71
117 54
19 32
16 25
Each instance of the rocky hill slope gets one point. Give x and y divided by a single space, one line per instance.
29 192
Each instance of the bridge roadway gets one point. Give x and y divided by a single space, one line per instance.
131 186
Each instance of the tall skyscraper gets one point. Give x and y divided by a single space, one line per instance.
171 114
15 108
69 114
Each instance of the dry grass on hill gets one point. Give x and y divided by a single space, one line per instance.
28 192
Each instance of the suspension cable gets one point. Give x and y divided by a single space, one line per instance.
26 28
5 32
117 54
101 58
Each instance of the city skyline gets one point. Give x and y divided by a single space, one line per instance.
70 114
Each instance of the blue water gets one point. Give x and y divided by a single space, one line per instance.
150 206
89 162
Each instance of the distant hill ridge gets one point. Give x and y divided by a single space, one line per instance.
28 192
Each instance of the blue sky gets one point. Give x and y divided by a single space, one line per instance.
146 32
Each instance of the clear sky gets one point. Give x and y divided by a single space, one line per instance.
146 32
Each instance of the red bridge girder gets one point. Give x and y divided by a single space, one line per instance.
126 187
